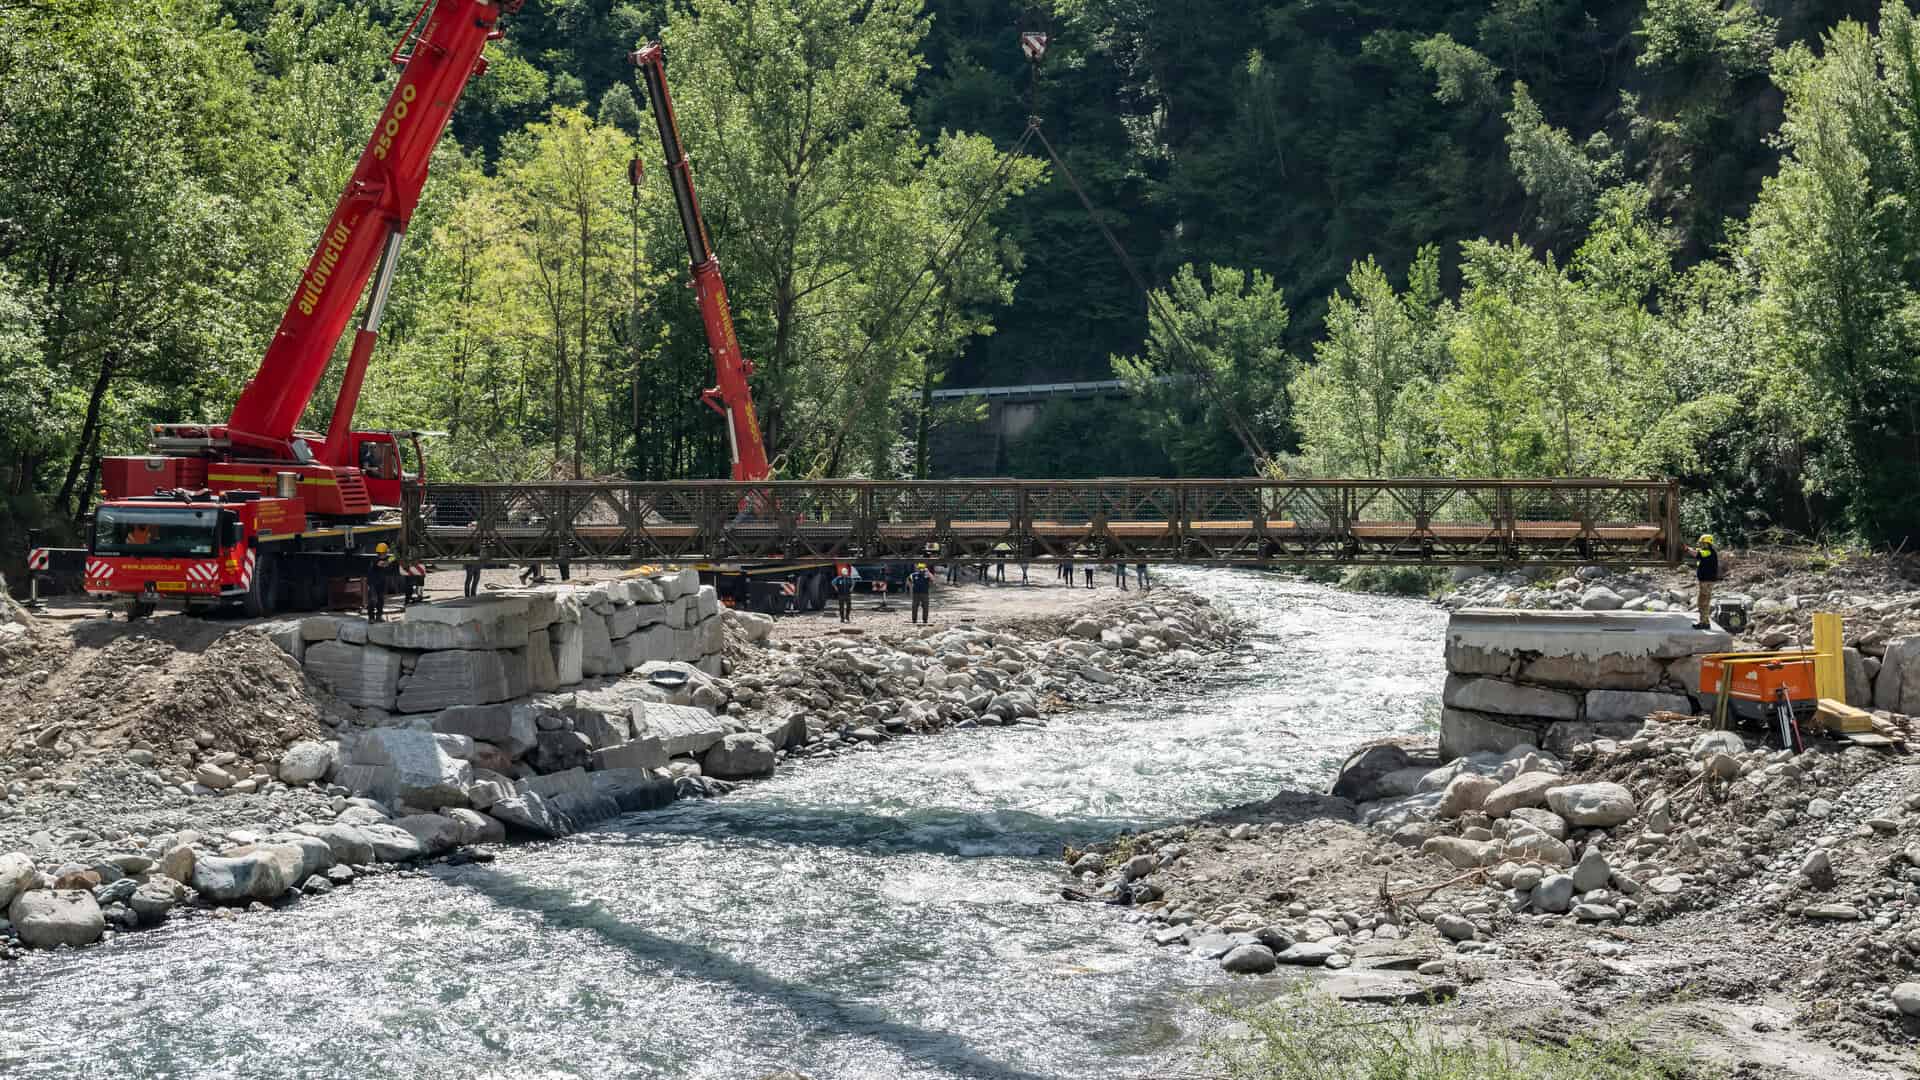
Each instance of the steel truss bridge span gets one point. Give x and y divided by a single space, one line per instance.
1245 522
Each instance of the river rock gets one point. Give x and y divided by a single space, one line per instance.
1379 772
436 833
1554 894
177 863
49 918
529 813
16 876
1249 960
347 843
1464 793
1538 847
750 625
1462 852
1592 872
736 757
1593 806
1544 821
257 874
316 855
558 751
1906 998
1717 742
154 898
308 761
392 844
1455 927
1525 791
476 827
1306 954
1817 868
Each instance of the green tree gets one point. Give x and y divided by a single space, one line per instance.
1215 361
1363 408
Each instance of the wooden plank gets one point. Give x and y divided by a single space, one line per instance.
1841 718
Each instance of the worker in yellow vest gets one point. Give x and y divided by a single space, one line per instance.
1706 572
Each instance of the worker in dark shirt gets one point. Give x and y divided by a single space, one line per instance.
378 575
843 591
920 584
1707 571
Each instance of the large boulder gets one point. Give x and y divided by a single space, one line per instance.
512 728
16 876
1463 732
154 898
261 873
636 754
1625 706
1593 806
1509 698
437 833
461 677
634 789
307 761
681 729
412 766
736 757
364 675
471 622
558 751
1464 793
49 918
750 625
1462 852
1525 791
529 813
316 855
542 674
392 844
564 643
347 843
476 827
596 646
1897 687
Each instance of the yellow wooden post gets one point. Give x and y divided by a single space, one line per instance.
1829 672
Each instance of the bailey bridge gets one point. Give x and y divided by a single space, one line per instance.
1238 522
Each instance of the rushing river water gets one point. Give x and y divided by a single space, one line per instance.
886 916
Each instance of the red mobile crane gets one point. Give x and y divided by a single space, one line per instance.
256 510
772 586
729 396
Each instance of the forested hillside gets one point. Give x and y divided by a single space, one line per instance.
1514 237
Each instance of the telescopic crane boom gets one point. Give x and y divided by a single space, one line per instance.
729 396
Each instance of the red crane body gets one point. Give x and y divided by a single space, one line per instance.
441 51
256 511
729 396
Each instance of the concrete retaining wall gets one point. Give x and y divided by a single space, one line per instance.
1554 679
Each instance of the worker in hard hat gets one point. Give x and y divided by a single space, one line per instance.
1706 571
920 585
379 573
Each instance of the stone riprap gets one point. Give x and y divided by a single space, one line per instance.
1552 679
503 646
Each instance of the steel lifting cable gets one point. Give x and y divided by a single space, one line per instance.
941 261
1249 441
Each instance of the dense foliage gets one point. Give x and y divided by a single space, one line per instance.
1509 237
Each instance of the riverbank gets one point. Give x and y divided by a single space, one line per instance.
1749 910
110 822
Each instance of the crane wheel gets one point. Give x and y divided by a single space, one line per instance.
263 590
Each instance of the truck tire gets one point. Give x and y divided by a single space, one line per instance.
262 590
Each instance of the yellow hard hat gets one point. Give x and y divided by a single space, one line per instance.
919 566
1706 539
380 549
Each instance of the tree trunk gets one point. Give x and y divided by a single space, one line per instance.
926 421
89 432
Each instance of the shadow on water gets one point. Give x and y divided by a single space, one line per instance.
827 1012
929 831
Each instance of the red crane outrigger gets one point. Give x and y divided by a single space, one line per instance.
255 509
730 395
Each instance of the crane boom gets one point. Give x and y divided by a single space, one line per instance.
365 231
730 395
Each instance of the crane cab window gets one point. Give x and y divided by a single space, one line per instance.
173 531
378 461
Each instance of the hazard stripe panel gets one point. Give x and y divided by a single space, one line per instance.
38 559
